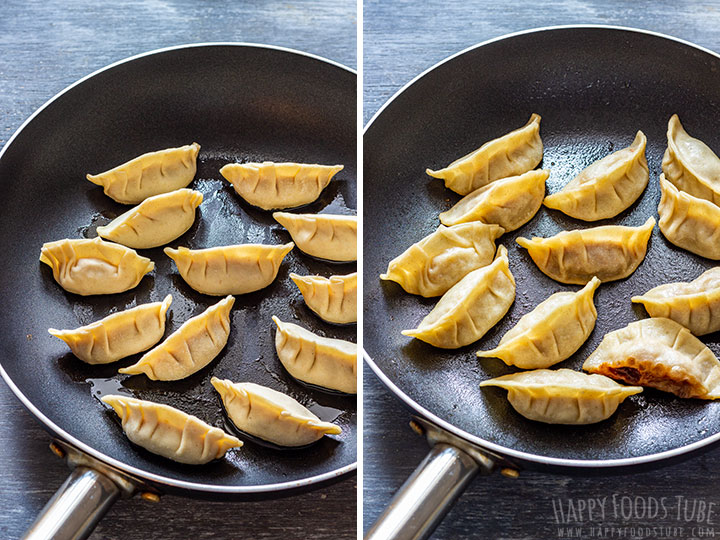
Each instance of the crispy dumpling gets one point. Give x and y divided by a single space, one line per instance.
271 415
333 299
150 174
326 236
610 252
470 308
695 305
508 202
224 270
550 333
606 187
190 348
514 153
88 267
438 261
156 221
661 354
688 222
170 432
690 165
327 362
563 396
272 186
118 335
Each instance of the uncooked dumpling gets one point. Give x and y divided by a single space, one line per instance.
333 299
325 236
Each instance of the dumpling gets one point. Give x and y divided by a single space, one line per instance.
325 236
438 261
169 432
224 270
661 354
470 308
690 165
563 396
118 335
327 362
610 252
688 222
150 174
271 415
272 186
607 187
190 348
514 153
695 305
550 333
158 220
88 267
509 202
333 299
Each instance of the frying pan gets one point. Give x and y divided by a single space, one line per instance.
241 102
594 88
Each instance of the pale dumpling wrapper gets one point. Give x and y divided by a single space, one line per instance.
119 335
550 333
170 432
271 415
190 348
325 236
514 153
610 252
438 261
156 221
87 267
224 270
508 202
470 308
333 299
606 187
275 186
563 396
658 353
149 174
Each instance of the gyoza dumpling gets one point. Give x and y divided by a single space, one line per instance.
169 432
550 333
509 202
688 222
470 308
607 187
150 174
224 270
272 186
610 252
190 348
156 221
333 299
271 415
327 362
87 267
118 335
325 236
661 354
563 396
438 261
690 165
695 305
514 153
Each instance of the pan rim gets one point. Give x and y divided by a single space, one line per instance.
499 449
55 430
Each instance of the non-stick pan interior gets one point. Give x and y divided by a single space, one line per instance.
240 103
594 88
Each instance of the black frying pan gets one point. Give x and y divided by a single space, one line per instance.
241 103
594 88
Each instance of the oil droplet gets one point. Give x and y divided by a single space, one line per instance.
104 387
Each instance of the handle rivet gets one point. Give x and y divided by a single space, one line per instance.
417 428
149 496
510 473
55 449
